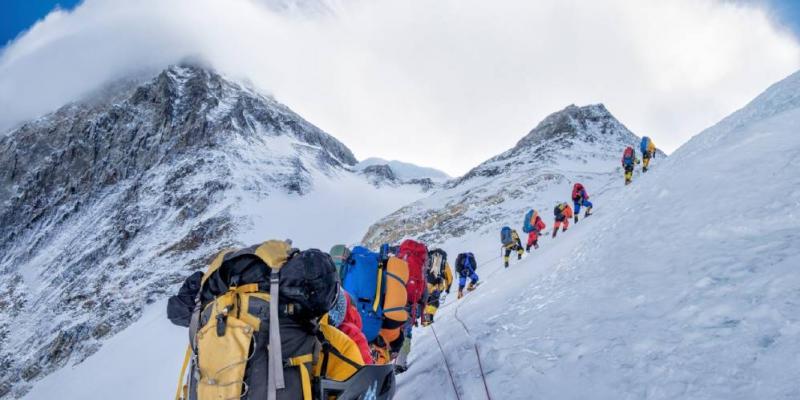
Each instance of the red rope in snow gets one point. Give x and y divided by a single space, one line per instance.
446 364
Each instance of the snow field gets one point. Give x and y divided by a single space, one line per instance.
683 285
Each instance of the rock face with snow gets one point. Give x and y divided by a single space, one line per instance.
107 203
576 144
405 171
383 174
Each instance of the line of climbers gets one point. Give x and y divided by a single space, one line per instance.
271 322
629 159
534 226
338 328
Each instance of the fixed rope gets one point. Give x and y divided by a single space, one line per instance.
446 364
477 354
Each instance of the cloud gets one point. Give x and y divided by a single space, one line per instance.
446 83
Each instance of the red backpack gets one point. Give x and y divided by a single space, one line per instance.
628 156
576 191
416 255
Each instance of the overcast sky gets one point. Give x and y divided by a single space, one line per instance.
445 83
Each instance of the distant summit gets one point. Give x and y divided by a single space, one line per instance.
576 143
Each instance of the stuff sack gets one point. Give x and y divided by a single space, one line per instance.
505 236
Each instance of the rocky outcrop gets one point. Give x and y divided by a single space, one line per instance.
107 203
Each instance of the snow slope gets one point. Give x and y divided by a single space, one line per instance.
682 286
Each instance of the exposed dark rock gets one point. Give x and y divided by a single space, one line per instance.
108 202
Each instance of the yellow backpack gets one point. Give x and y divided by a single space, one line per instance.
236 317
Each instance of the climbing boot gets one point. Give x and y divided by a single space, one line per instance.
588 212
471 286
555 232
460 293
575 218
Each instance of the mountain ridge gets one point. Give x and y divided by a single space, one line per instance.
109 202
575 143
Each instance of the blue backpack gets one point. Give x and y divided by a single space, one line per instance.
466 264
526 225
505 235
361 281
644 144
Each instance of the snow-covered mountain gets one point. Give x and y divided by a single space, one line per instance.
577 144
108 203
403 170
684 285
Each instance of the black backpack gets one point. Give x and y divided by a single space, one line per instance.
435 272
461 263
235 315
558 212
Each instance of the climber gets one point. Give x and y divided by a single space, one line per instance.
401 362
628 161
580 198
562 213
510 239
234 296
465 267
648 149
533 226
440 278
344 316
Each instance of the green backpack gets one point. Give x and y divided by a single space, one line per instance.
340 255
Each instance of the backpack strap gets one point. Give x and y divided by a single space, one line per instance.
180 394
215 264
275 368
302 362
378 288
274 253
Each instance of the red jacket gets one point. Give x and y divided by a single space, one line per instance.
352 327
534 234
